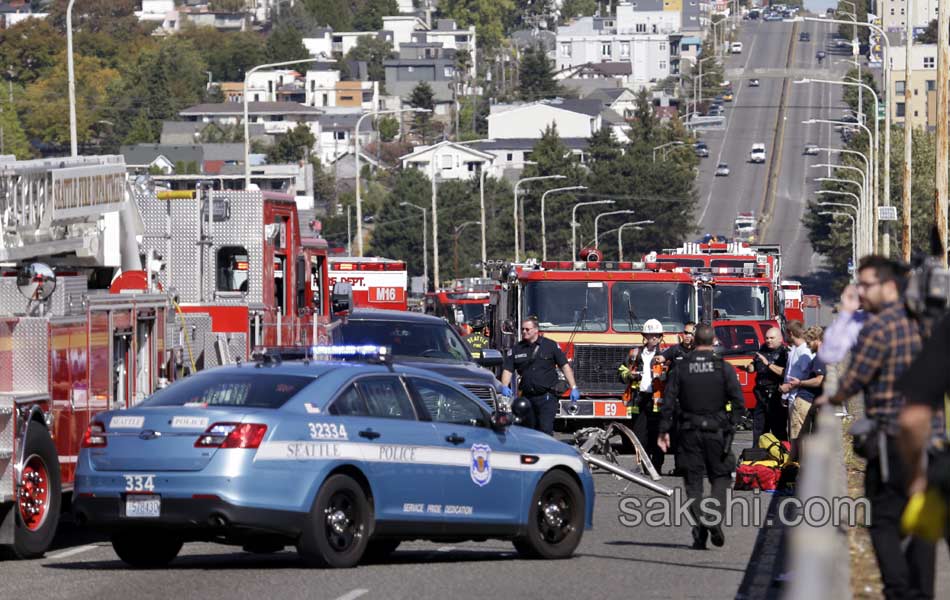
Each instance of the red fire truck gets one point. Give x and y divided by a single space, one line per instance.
463 303
595 311
224 271
377 282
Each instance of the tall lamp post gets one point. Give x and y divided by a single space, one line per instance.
574 223
518 183
356 159
425 250
666 145
620 235
861 237
455 249
544 238
607 214
247 125
73 144
868 205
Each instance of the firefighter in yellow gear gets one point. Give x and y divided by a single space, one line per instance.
642 379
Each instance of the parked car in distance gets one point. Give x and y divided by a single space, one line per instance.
728 96
736 47
722 170
753 83
804 37
811 150
701 149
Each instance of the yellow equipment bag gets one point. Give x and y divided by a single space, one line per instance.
775 448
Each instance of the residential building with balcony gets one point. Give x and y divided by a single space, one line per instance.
448 161
922 110
276 117
423 62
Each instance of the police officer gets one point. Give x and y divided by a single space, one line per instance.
637 373
769 364
536 359
703 394
674 354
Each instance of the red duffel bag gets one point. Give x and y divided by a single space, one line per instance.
761 475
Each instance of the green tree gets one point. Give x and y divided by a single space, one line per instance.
423 97
488 16
860 11
324 185
928 35
369 15
331 13
851 93
645 123
12 138
231 6
29 49
388 128
115 18
285 43
227 54
292 146
373 51
578 8
537 75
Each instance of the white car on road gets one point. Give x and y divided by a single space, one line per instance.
722 170
736 47
758 153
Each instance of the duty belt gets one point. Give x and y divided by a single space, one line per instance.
711 422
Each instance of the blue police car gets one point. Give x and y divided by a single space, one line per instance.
342 459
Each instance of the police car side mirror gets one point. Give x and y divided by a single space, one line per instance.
500 421
341 300
490 358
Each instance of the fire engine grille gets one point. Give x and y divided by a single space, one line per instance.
484 392
595 368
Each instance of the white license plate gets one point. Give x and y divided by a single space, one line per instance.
141 506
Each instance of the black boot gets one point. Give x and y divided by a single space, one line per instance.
716 536
699 538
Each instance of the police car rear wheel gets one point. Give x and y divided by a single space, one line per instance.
555 518
340 522
146 549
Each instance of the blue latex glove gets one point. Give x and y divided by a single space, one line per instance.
575 394
506 391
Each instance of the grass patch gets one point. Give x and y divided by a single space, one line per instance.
865 575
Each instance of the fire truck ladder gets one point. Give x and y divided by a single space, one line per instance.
58 206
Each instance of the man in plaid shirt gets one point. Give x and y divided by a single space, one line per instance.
886 346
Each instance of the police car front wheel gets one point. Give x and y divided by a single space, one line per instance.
339 525
555 518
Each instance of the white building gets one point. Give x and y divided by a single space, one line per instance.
573 119
638 38
894 14
337 131
262 86
321 88
155 10
451 160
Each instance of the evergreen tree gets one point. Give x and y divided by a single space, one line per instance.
537 76
12 138
577 8
423 97
292 146
369 15
286 43
335 14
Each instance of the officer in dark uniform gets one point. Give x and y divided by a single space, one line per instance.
704 396
536 359
674 354
768 364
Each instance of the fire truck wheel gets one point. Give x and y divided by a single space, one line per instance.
146 549
339 526
555 518
39 497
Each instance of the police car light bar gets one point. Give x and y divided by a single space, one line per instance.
365 352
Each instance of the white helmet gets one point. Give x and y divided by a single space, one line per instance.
652 326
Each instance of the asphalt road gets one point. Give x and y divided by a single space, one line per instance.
751 118
613 561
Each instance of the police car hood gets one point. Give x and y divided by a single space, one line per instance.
461 372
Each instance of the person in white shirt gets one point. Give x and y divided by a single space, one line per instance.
637 373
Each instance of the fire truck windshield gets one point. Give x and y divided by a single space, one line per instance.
470 312
637 301
731 263
741 302
560 305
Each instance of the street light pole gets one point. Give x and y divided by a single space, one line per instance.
574 223
518 183
871 242
356 159
425 250
247 126
867 171
544 239
607 214
620 235
73 143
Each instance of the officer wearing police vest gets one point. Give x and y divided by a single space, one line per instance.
536 359
704 396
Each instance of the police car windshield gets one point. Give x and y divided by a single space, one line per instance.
741 302
254 389
637 301
559 305
407 339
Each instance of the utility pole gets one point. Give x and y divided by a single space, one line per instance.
943 109
908 138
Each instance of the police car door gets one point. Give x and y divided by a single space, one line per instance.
482 484
394 444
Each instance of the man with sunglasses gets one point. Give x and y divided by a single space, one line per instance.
536 359
674 354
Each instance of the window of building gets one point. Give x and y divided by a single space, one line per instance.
346 98
662 64
902 12
510 157
641 28
566 49
410 69
605 49
899 87
231 269
461 39
447 162
339 135
930 62
448 72
900 109
915 91
892 12
931 85
662 47
624 49
915 113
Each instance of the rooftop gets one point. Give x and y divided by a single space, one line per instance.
256 108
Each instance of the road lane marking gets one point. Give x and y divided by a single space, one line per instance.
353 594
445 548
71 552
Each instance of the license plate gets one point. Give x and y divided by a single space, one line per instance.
610 409
141 506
